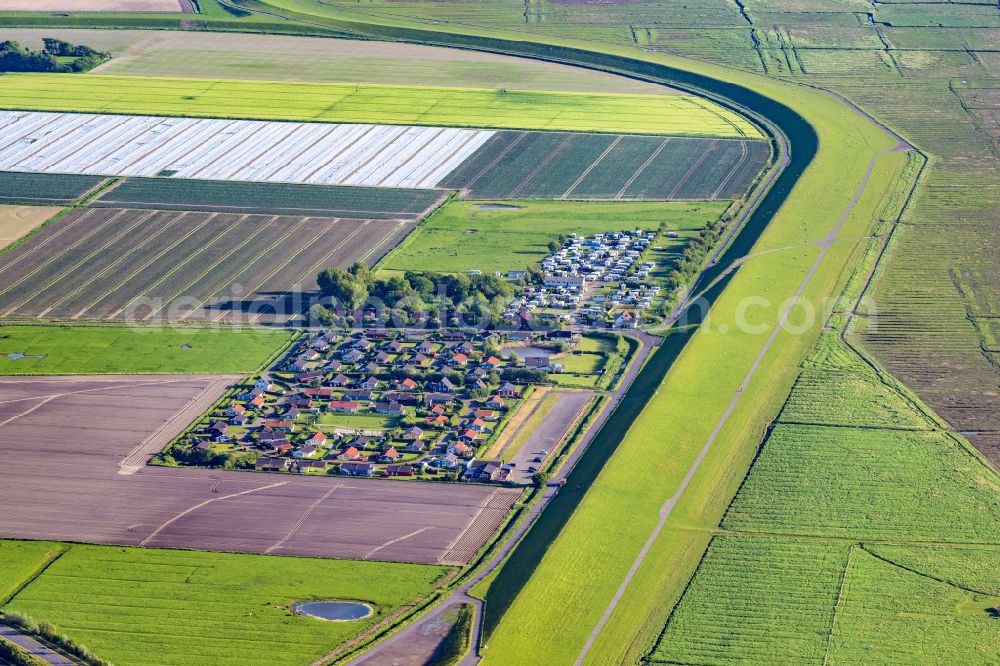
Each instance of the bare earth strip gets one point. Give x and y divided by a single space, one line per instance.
64 441
18 221
137 6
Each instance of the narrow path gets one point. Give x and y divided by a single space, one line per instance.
671 502
36 648
382 653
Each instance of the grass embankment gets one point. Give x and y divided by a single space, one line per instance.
582 569
462 235
88 350
683 115
147 606
885 569
584 566
15 655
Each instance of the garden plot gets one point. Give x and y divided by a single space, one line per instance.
106 263
565 165
238 150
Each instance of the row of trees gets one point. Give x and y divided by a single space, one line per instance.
17 58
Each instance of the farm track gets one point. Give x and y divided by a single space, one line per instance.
671 502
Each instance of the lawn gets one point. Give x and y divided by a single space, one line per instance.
84 350
462 235
682 115
160 607
359 421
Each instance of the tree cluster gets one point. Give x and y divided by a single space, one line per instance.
431 297
16 58
694 255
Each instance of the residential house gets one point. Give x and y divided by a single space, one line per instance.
400 470
357 468
269 464
344 406
350 453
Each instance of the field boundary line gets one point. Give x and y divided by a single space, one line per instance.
219 235
260 283
403 164
302 519
146 265
49 561
371 552
468 526
166 225
614 144
158 530
218 262
400 224
570 138
326 257
744 154
667 508
836 606
645 165
503 153
260 255
60 253
338 153
66 273
472 137
132 462
692 170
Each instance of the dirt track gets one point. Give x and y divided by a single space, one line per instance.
63 441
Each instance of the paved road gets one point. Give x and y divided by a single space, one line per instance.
35 648
672 501
386 651
547 435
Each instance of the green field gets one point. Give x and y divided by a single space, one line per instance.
937 292
462 236
269 198
22 560
773 600
44 188
158 607
75 350
274 57
368 103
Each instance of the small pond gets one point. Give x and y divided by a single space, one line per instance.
497 207
335 611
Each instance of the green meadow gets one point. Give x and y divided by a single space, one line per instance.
467 235
153 607
85 350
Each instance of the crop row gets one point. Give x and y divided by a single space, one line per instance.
868 484
551 165
336 102
273 198
105 263
36 188
756 600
